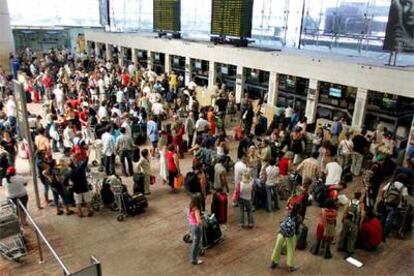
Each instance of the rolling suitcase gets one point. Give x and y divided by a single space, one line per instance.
211 231
219 207
138 187
302 236
260 196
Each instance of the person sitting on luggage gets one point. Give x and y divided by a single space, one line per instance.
351 220
271 173
145 168
393 195
325 230
370 233
195 221
287 234
245 199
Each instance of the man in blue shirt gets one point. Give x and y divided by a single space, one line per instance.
153 135
336 127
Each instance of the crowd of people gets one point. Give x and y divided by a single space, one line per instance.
94 110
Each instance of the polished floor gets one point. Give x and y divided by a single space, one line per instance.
151 243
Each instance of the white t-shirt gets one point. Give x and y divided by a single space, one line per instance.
102 112
11 108
68 136
119 96
157 109
246 190
201 124
333 173
15 188
58 94
346 146
272 173
288 112
128 131
239 168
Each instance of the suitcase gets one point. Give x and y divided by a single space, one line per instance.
302 236
211 231
219 207
347 175
137 155
260 196
138 186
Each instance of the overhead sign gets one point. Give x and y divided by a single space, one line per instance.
400 27
167 15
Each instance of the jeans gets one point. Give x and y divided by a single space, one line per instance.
271 193
245 204
109 163
290 246
357 159
392 213
60 192
195 247
126 155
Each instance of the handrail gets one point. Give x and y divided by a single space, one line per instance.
40 234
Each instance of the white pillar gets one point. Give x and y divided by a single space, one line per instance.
273 89
167 63
188 70
240 79
312 101
108 52
150 60
6 36
134 56
212 74
358 117
97 50
121 55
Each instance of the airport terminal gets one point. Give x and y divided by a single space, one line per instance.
221 137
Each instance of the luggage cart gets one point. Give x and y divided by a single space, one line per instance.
119 201
12 245
94 180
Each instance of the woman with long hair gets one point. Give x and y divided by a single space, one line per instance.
194 219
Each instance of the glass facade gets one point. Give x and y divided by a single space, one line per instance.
350 27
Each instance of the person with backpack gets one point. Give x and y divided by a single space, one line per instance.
393 195
287 234
351 220
325 230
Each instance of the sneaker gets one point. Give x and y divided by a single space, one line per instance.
292 269
198 262
273 265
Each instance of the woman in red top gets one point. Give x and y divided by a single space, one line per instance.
173 165
211 118
370 233
178 132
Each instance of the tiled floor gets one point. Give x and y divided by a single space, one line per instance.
151 243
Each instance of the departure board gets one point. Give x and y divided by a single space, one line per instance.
232 17
167 15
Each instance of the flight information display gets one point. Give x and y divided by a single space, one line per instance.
232 17
167 15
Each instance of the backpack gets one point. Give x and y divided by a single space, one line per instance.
321 193
393 195
353 212
191 183
107 195
288 227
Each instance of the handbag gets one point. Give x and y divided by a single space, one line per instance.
178 181
236 193
152 180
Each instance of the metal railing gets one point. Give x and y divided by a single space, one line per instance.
94 269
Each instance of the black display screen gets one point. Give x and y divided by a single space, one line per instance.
167 15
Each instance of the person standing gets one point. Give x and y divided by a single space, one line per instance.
286 235
245 200
15 189
195 221
108 150
189 128
345 151
145 168
220 180
271 173
361 145
124 147
333 173
81 190
310 167
153 135
173 165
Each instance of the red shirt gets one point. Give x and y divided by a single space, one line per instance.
47 81
125 79
371 231
283 166
75 103
83 116
170 161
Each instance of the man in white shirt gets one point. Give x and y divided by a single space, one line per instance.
127 125
201 125
333 172
239 168
11 107
103 111
101 89
108 150
68 136
60 98
157 109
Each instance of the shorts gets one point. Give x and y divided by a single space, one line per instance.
83 197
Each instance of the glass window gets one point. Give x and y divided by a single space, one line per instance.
52 12
131 15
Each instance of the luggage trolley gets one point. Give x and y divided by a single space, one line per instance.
119 200
94 181
210 233
12 245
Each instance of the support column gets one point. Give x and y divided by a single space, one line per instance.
97 50
240 80
150 60
358 117
312 101
212 74
88 46
121 55
108 52
273 89
188 70
167 63
134 56
6 37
